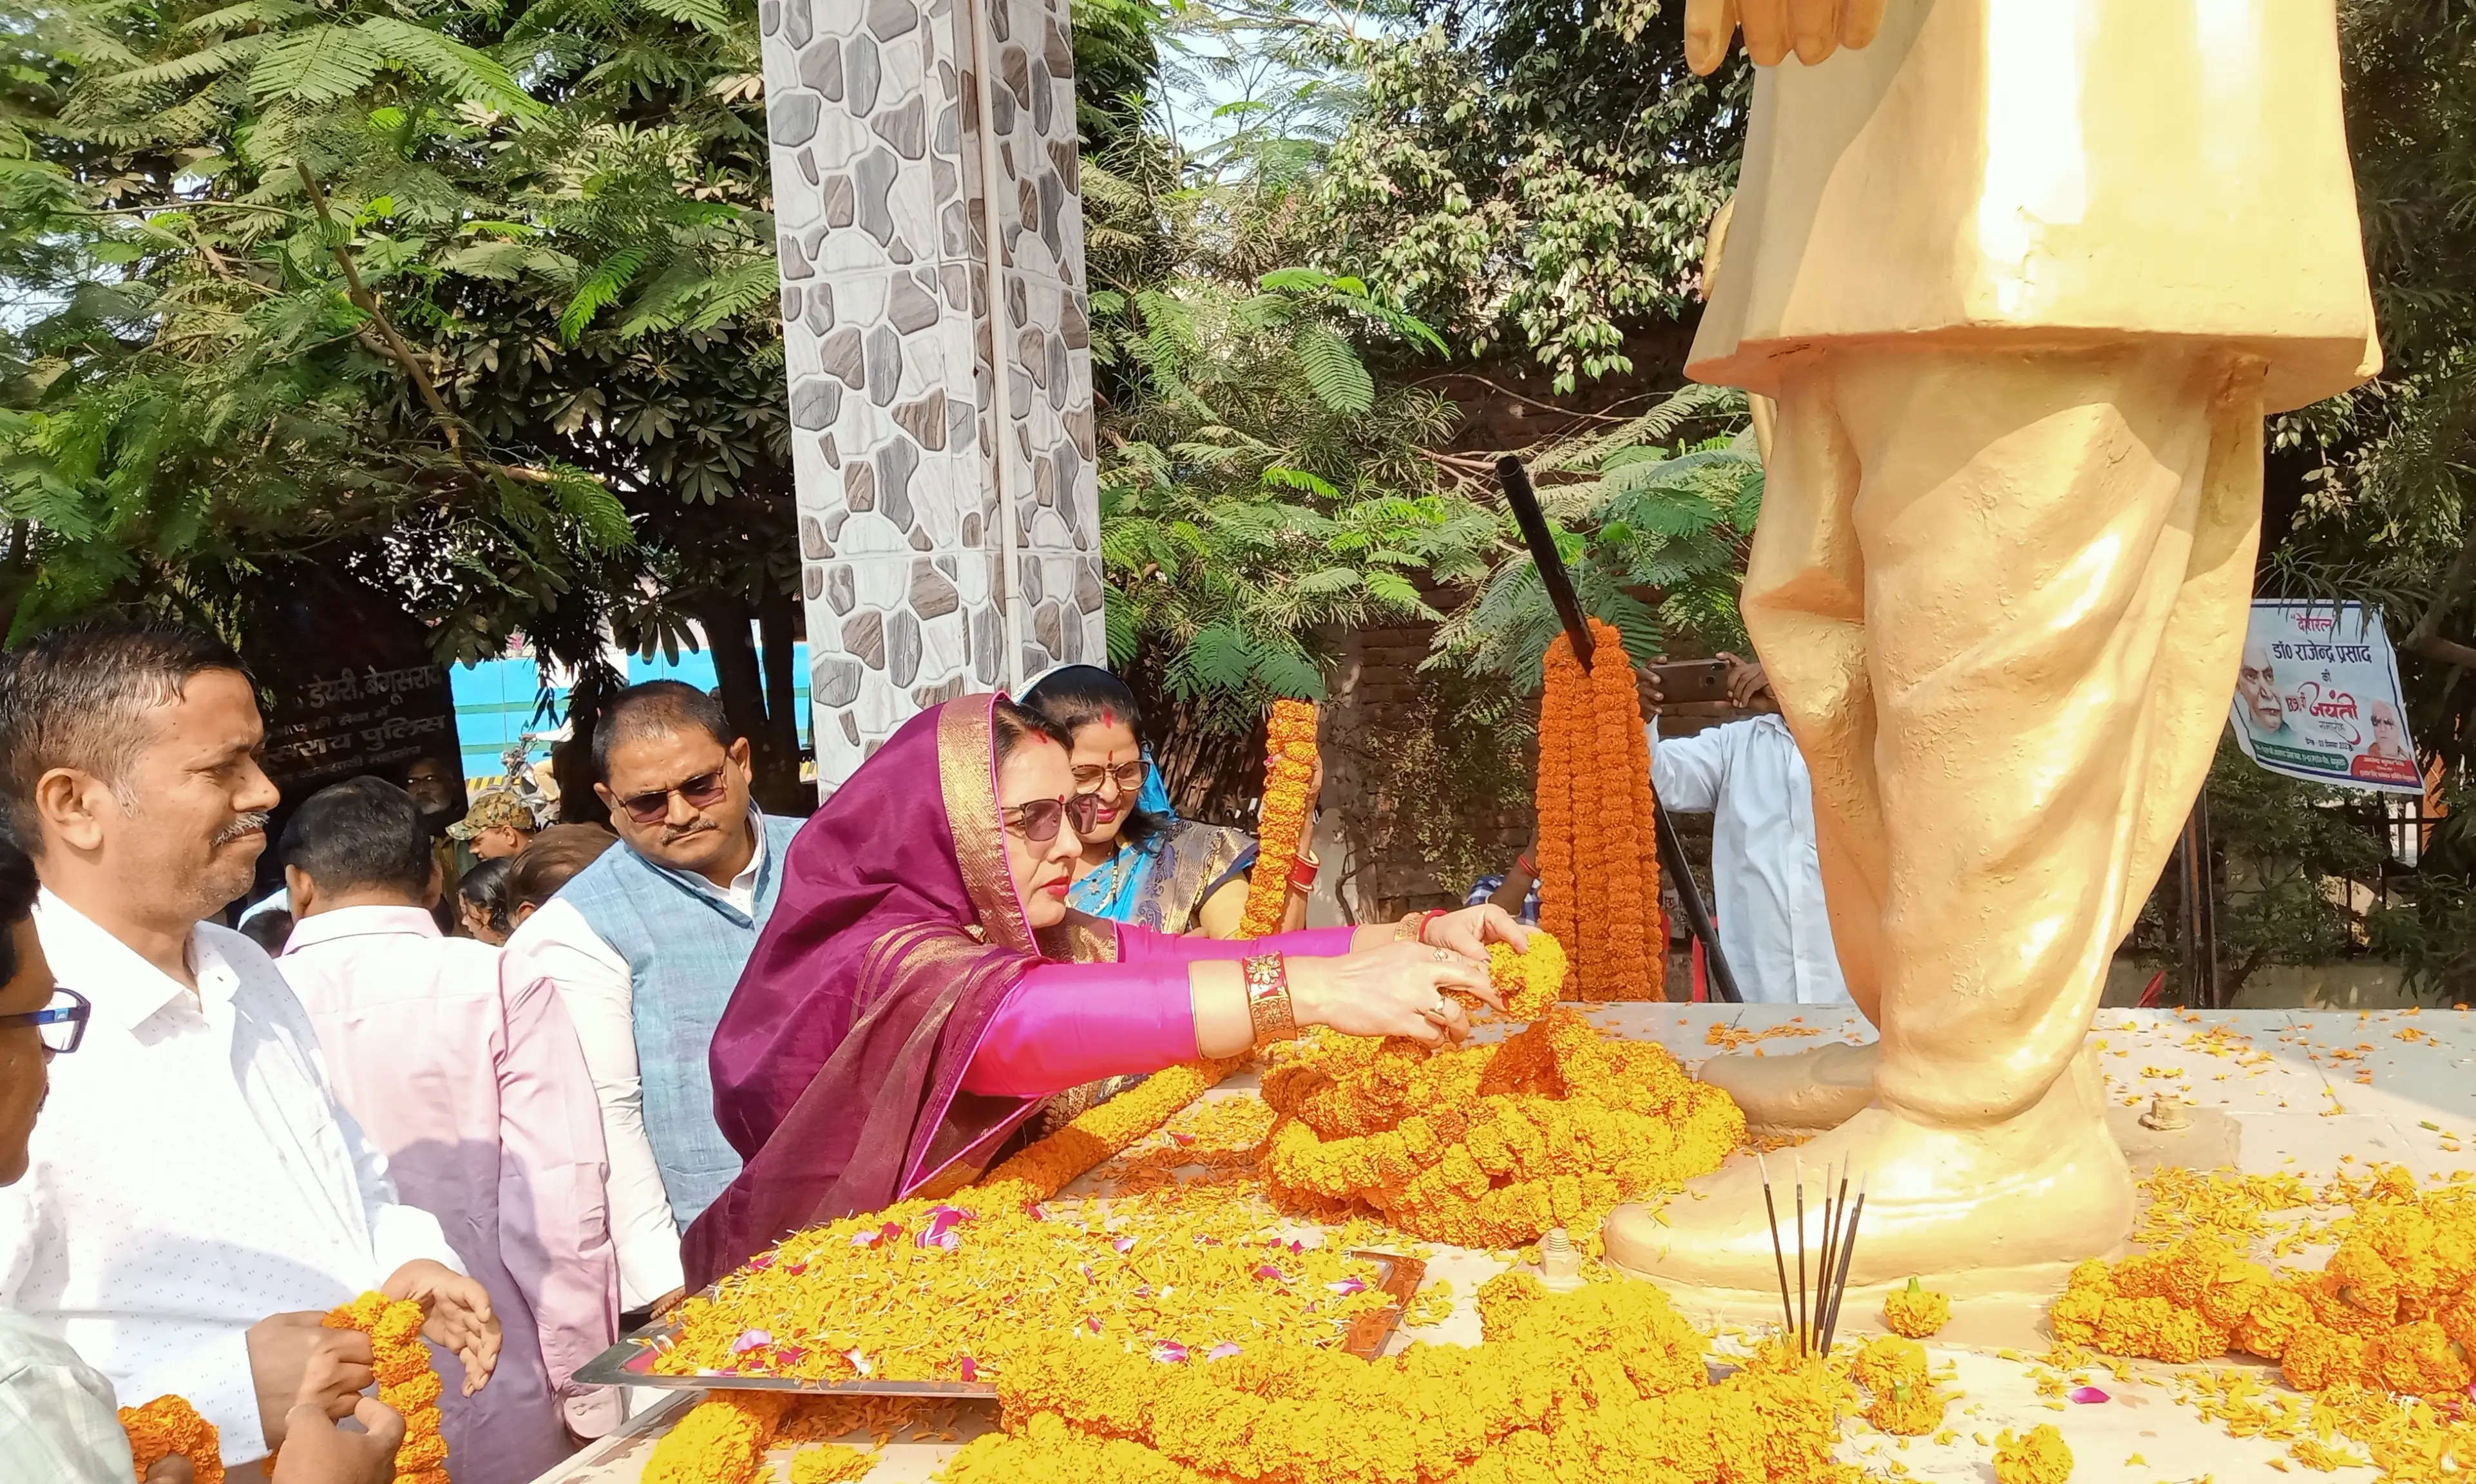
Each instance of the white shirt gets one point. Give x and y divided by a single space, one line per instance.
556 944
191 1175
58 1420
1766 876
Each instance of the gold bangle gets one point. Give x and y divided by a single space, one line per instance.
1268 999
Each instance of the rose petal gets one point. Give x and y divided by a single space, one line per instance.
859 1362
1347 1287
750 1339
1094 1324
1221 1352
971 1368
2086 1395
762 1261
1169 1352
795 1269
1268 1270
1125 1243
1181 1140
867 1238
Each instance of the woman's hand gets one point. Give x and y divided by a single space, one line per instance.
1394 990
1469 930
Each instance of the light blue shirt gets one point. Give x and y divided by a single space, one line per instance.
1765 875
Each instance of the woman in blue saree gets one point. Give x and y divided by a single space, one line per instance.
1141 863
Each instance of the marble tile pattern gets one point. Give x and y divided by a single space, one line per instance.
903 437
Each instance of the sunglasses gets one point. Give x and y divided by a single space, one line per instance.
652 807
62 1026
1129 777
1038 820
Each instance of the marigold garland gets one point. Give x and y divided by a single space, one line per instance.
1289 771
2394 1307
1599 857
1488 1147
167 1425
1604 1382
1915 1311
407 1381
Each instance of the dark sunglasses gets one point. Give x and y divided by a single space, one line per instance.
62 1026
652 807
1129 777
1038 820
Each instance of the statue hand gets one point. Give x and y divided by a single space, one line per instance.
1813 29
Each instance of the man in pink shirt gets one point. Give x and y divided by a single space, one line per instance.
472 1083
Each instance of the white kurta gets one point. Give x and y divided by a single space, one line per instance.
1766 878
191 1175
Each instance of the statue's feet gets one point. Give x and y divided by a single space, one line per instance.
1982 1208
1801 1092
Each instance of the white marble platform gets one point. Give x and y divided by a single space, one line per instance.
2303 1093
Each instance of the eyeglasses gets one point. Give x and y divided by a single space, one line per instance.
1038 820
1129 777
62 1025
652 807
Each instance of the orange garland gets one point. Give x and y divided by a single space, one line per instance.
1289 770
167 1425
1598 861
407 1381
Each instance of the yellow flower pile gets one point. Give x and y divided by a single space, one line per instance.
407 1381
1489 1147
1915 1311
1605 1382
2394 1308
2038 1458
1531 980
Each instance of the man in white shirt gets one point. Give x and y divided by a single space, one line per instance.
196 1174
1766 878
645 945
58 1419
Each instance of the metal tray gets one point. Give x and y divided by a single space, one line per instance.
631 1361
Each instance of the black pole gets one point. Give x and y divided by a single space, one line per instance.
2198 927
1542 542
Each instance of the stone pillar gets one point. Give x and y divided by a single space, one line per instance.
948 519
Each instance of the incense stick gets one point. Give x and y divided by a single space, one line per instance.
1830 1229
1840 1288
1779 1261
1802 1329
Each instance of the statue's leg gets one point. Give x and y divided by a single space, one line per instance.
2056 553
1804 604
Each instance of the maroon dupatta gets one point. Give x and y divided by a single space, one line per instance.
838 1064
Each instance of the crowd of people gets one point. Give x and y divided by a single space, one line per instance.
632 1057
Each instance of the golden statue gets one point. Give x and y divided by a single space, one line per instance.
2022 278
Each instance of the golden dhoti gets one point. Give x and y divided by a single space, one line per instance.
2002 600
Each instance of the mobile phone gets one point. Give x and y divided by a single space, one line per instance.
1692 679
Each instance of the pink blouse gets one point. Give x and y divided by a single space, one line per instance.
1065 1024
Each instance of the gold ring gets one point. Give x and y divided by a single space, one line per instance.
1443 955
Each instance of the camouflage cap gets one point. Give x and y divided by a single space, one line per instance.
489 811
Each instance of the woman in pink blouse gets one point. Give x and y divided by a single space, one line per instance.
923 992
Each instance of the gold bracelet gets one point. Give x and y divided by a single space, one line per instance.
1408 928
1268 999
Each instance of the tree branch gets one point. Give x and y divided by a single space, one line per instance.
369 302
2425 638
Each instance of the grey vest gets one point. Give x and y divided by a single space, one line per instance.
685 947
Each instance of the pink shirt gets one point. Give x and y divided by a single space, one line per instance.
472 1084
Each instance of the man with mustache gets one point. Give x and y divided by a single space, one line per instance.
646 945
195 1173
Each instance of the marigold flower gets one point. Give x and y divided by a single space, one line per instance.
2038 1458
1599 857
1916 1312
